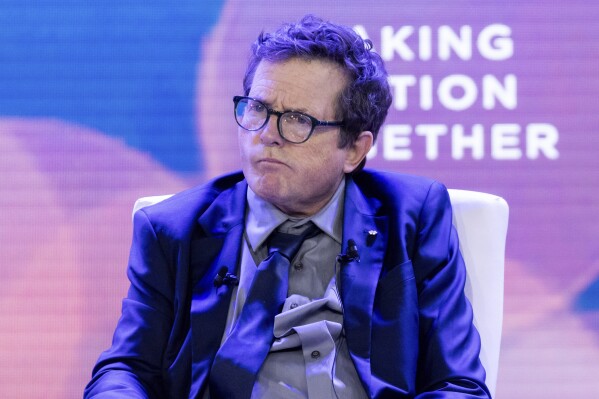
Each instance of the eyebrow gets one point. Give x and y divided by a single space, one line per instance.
269 105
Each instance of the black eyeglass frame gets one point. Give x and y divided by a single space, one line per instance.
270 111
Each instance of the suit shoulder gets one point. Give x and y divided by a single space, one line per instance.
395 186
184 208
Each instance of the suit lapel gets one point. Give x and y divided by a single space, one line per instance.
359 279
223 224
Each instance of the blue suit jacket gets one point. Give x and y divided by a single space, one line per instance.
408 324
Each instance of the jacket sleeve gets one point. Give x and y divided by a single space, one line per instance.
449 345
132 366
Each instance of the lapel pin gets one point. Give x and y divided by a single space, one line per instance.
371 236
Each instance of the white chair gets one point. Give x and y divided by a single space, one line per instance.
147 201
481 221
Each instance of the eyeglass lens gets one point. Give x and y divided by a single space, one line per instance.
253 115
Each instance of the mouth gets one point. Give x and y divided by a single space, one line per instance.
270 164
269 161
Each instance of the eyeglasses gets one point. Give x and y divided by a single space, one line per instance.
295 127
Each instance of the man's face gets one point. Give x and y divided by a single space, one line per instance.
297 178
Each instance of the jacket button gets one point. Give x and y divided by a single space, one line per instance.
315 354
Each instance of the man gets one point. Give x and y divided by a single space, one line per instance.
368 303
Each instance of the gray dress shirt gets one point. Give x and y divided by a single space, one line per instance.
309 357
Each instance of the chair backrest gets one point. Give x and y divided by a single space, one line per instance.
481 221
147 201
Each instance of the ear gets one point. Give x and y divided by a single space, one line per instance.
357 151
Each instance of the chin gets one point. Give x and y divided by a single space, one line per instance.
269 188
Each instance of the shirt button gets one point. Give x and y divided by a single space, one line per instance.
293 305
298 266
315 354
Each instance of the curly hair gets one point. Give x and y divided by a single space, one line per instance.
364 103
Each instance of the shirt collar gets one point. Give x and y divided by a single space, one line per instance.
263 217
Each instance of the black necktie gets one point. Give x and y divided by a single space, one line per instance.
238 361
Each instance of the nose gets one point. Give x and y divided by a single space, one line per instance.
269 135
